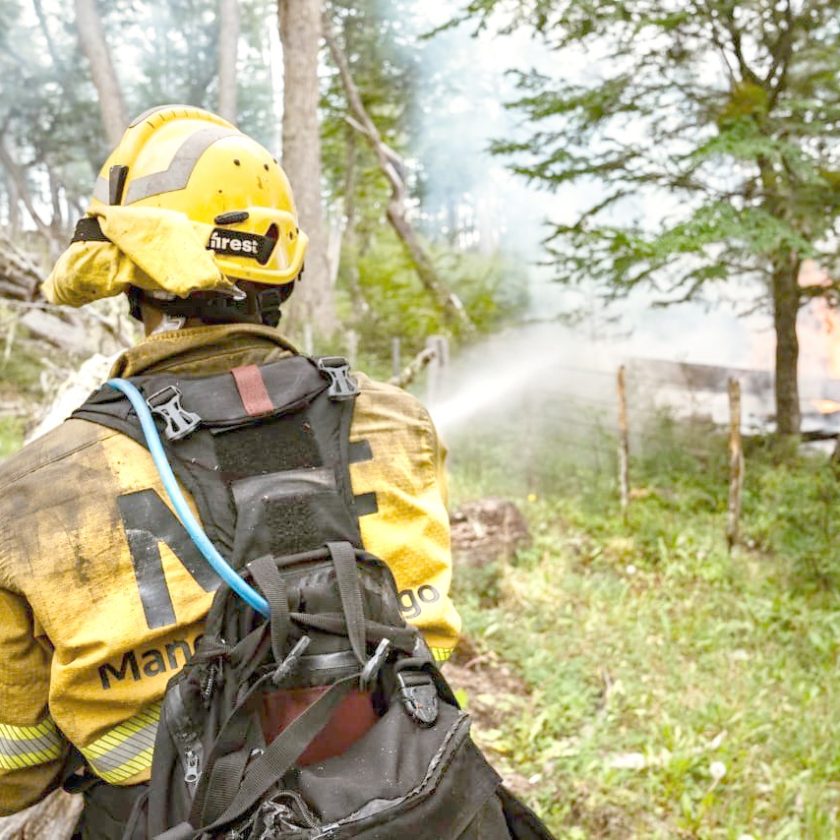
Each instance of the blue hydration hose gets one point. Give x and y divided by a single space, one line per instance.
226 572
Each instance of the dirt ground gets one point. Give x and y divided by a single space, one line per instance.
490 691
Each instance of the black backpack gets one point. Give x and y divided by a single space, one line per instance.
329 718
335 622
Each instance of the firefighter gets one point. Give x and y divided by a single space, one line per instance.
102 594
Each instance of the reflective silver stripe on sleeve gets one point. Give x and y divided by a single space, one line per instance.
29 746
126 750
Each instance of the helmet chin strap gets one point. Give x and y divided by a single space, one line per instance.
251 306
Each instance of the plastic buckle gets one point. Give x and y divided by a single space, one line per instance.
269 301
289 665
374 665
342 385
419 696
179 421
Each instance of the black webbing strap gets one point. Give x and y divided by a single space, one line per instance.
182 831
216 306
233 738
405 638
225 781
347 575
274 588
88 229
267 770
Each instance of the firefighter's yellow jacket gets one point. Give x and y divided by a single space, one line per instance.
78 661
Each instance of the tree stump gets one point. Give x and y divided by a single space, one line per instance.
487 530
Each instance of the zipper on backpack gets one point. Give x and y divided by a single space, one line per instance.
192 767
187 743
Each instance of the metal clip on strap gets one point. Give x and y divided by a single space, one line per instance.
337 369
374 665
179 421
289 665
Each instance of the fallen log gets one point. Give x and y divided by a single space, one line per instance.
19 277
72 337
55 818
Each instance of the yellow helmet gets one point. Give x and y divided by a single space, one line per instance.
185 159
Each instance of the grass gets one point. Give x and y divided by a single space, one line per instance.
20 372
675 690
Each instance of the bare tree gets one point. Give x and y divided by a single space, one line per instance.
228 41
393 167
17 176
300 34
351 238
95 47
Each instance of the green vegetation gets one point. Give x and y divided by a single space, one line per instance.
673 690
11 435
493 290
21 366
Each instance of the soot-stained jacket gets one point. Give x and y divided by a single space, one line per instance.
88 541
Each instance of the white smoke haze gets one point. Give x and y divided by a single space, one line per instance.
503 372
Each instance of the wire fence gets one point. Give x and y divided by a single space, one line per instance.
592 422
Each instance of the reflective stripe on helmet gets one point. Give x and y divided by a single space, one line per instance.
126 750
29 746
176 176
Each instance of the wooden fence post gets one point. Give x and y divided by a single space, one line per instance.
623 444
396 365
736 463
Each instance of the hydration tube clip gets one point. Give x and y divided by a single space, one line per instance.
179 421
288 666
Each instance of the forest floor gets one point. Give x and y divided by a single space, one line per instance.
636 680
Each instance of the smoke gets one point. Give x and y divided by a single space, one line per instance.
467 85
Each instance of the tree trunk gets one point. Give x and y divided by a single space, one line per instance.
14 207
57 221
18 177
786 301
95 48
300 34
228 40
351 243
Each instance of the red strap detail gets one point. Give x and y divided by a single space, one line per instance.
352 719
252 391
